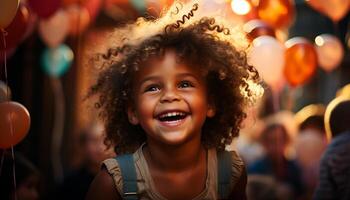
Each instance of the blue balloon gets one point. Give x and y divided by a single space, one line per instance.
139 5
56 61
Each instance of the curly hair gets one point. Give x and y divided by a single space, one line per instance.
228 75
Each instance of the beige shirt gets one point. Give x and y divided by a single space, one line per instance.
146 186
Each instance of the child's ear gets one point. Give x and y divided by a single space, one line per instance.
133 119
211 111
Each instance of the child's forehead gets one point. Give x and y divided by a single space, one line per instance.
169 59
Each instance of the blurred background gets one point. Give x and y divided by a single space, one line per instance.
300 47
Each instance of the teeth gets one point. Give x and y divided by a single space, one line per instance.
172 114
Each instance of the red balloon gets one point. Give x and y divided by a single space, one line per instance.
46 8
17 29
70 2
301 61
93 6
256 28
14 123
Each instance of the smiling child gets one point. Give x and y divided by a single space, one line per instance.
172 94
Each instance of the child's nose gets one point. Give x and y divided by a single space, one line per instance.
170 95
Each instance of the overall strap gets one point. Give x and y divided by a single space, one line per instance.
127 168
224 174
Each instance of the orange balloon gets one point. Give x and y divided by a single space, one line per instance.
17 28
255 28
14 123
79 19
277 13
156 7
301 61
334 9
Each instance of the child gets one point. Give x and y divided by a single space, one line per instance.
173 94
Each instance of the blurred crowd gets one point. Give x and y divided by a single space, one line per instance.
303 155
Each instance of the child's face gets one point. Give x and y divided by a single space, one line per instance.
170 101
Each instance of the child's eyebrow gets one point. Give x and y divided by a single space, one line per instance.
183 75
149 78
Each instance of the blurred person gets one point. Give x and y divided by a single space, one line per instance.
27 178
334 180
265 187
91 142
311 117
310 143
247 143
275 140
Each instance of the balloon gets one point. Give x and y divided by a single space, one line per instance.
277 13
140 6
329 51
256 28
17 29
8 10
93 6
121 9
334 9
155 7
79 18
44 9
31 24
56 61
54 29
5 92
14 123
267 55
70 2
301 61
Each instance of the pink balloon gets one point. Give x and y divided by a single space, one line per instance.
54 30
45 8
17 29
267 55
329 51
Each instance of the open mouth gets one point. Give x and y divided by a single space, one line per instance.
172 116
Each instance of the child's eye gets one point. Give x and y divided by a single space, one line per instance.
152 88
185 84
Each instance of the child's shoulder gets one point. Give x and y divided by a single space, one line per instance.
113 169
102 187
229 161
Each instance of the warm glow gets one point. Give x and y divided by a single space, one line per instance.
319 41
240 7
220 1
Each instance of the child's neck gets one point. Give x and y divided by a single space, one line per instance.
174 158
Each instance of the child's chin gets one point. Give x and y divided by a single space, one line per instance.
175 138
